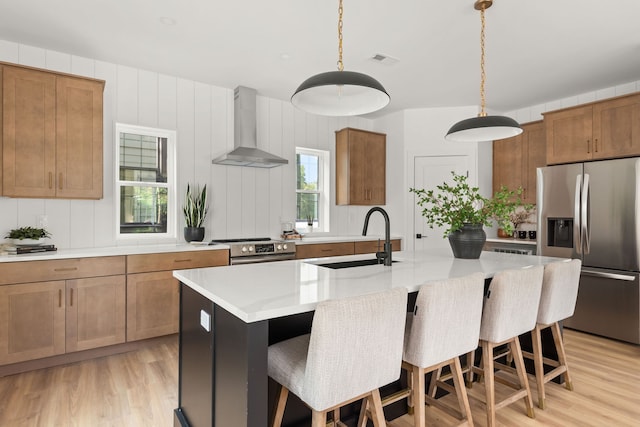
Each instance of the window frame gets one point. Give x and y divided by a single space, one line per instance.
324 190
170 185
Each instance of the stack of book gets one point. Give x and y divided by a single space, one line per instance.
18 250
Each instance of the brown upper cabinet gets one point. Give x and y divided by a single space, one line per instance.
360 167
51 134
598 130
516 159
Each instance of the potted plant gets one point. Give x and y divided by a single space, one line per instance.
463 211
195 210
28 235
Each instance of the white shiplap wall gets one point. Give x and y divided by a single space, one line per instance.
244 201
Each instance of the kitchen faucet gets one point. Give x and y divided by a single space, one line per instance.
386 253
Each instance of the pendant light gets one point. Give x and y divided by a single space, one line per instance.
483 127
340 93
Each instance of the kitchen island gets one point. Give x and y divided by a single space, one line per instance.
230 315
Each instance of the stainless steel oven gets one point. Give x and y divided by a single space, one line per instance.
254 250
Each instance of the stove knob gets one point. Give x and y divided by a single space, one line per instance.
279 247
244 249
284 246
250 248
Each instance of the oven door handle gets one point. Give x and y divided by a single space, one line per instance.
257 259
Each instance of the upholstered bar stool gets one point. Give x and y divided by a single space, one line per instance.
510 309
557 302
445 324
355 347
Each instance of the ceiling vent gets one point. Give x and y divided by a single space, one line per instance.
384 59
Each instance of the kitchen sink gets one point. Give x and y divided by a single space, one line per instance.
349 264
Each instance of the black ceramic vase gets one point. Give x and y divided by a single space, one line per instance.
194 234
468 242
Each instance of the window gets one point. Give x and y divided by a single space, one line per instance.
312 190
145 182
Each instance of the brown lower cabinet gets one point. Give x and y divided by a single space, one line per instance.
40 317
55 307
153 294
320 250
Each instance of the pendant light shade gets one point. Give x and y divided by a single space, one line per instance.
340 93
483 127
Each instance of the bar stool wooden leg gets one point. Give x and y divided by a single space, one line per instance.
433 383
536 340
487 363
318 418
562 356
417 393
458 381
522 375
377 413
282 402
470 362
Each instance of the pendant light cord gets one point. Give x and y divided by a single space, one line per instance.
483 75
340 64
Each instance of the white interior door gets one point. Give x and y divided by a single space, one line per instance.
430 171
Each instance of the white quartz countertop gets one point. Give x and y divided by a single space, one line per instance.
256 292
109 251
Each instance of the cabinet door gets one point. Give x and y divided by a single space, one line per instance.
373 246
28 132
508 163
153 304
32 321
360 167
324 250
375 169
616 127
358 170
569 135
95 312
78 138
535 149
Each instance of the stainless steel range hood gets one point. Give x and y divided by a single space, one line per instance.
246 151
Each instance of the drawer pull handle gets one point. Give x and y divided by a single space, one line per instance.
182 260
326 250
71 297
59 297
66 269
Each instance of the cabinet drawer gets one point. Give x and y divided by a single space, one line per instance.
176 260
324 250
371 246
74 268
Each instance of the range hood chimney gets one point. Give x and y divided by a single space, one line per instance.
246 152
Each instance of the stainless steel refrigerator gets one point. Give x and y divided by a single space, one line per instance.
591 211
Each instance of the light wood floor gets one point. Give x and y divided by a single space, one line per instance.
139 389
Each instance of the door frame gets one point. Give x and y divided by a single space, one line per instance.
445 149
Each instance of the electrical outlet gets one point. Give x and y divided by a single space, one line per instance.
43 221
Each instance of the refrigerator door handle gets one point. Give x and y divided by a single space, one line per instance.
584 210
577 242
594 273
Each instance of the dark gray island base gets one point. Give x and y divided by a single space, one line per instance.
227 324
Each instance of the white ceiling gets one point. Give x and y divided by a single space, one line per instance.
537 50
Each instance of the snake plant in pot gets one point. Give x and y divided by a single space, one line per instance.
195 211
462 211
